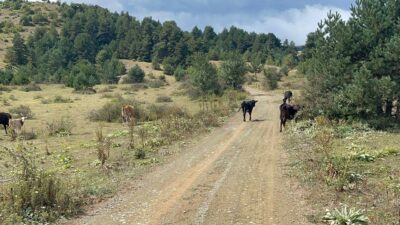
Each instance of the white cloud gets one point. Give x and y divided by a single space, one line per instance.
293 24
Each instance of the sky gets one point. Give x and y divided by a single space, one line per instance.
287 19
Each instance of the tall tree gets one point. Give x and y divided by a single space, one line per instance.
233 71
18 53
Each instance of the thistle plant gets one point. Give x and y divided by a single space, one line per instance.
346 216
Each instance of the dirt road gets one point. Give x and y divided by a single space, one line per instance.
233 175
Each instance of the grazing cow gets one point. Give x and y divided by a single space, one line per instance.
287 96
247 106
17 124
5 120
288 112
128 114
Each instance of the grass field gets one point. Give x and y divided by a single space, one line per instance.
75 155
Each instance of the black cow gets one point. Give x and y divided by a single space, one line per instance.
288 112
5 120
287 96
247 106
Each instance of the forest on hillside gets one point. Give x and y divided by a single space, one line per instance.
82 44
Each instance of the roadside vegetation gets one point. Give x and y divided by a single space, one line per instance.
81 153
345 149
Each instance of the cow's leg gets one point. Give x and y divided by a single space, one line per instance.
280 130
283 123
244 115
5 128
250 114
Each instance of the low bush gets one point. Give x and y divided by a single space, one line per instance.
31 87
156 83
168 69
22 111
106 89
111 111
140 153
164 99
271 78
162 78
5 88
85 91
60 99
61 127
28 135
179 73
209 119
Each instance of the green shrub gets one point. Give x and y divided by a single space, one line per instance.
284 71
155 64
179 73
26 20
168 69
162 78
271 78
168 66
140 153
136 75
6 77
39 18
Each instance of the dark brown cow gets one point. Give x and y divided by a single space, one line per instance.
5 120
288 112
128 114
247 106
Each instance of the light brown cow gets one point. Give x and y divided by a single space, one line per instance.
128 114
16 124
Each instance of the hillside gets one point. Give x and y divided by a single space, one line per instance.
44 14
52 43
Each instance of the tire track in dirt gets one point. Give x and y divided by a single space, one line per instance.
185 181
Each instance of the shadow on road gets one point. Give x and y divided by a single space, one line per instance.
258 120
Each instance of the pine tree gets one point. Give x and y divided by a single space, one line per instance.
18 53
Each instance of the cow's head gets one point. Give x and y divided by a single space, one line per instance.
253 103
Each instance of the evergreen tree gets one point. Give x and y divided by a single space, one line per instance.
203 75
18 53
232 71
136 75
